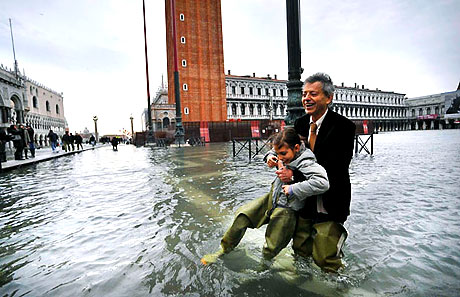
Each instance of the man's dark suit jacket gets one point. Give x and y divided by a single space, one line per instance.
333 150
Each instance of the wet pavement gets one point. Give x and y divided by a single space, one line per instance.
137 221
43 154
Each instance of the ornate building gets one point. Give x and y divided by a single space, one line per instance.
438 111
163 113
24 101
253 98
44 110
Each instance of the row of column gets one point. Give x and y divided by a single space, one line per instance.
238 109
379 112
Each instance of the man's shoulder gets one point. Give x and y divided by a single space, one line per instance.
339 120
301 124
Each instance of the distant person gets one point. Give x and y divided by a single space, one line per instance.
115 143
92 140
53 140
78 141
4 138
31 132
72 141
278 208
17 142
66 141
25 139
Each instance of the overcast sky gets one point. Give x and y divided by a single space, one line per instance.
93 51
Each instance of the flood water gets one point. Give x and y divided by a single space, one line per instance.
136 223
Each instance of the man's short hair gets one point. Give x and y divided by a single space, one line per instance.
325 80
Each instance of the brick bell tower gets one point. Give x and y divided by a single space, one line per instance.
200 59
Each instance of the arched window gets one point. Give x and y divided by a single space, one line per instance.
233 109
166 122
35 102
48 108
57 109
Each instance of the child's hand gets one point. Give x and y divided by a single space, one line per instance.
271 161
286 189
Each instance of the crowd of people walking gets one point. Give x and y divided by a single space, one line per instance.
23 139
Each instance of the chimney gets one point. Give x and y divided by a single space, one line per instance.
363 87
276 77
342 85
268 76
355 85
253 74
229 72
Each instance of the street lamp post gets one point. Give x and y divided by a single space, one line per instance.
294 101
132 129
95 128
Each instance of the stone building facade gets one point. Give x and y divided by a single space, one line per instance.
200 59
437 111
24 101
252 98
163 113
44 111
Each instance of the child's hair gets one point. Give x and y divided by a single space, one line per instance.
288 136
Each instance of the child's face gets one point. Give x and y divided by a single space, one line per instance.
285 153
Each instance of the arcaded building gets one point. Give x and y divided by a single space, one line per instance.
25 101
200 59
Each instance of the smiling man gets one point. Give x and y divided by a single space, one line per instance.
320 232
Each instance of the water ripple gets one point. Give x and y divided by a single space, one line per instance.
136 222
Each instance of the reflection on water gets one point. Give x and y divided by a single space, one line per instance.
136 222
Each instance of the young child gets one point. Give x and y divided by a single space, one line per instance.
278 207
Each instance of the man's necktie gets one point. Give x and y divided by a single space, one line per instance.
312 140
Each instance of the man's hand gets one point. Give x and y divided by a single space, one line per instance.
271 161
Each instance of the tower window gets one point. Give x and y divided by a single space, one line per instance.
181 17
186 110
185 87
182 39
184 63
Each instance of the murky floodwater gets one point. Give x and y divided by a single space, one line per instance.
136 222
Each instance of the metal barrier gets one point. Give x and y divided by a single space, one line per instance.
247 143
359 142
196 141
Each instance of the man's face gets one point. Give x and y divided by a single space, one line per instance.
314 101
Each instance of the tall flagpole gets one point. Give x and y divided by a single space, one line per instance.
16 70
149 111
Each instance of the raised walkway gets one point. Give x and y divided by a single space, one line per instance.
43 154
